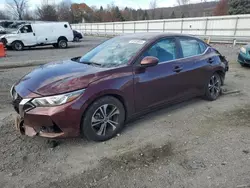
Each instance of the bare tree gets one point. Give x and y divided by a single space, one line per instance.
17 8
183 2
64 11
153 6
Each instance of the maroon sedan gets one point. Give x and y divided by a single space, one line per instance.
126 76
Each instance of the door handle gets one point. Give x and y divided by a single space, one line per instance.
34 34
210 60
177 69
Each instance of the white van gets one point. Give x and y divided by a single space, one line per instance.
57 34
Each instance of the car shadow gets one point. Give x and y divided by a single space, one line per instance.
145 118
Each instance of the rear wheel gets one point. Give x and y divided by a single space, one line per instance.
213 88
62 43
17 45
77 39
103 119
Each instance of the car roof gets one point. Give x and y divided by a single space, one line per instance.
153 36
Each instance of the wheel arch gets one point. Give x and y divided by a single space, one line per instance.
62 38
17 41
222 74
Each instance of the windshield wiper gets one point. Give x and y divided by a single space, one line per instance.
91 63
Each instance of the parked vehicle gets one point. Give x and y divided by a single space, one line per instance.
77 36
2 30
94 95
244 55
57 34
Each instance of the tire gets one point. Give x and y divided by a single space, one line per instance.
213 87
98 127
55 45
77 39
17 45
62 43
243 65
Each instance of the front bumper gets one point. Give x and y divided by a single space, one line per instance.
244 59
50 122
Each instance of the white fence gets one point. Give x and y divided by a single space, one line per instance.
219 28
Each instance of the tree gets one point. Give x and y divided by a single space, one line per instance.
17 8
28 16
161 15
239 7
173 15
221 8
145 15
183 2
152 6
64 11
117 14
47 13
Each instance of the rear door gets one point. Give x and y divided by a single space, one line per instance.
195 63
27 35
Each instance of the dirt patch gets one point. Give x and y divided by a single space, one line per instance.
239 116
128 162
139 158
24 154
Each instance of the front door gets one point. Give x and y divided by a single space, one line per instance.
27 35
163 82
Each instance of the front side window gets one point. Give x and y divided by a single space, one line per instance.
26 29
114 52
191 47
164 50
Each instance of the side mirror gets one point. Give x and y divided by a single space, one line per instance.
149 61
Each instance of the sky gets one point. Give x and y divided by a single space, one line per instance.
144 4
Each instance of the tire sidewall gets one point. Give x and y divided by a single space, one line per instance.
14 46
86 128
61 42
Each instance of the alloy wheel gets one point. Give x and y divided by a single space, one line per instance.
105 119
214 86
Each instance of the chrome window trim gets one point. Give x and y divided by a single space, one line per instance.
186 57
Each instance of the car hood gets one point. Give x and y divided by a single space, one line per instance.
59 77
8 35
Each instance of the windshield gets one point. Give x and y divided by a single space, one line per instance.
114 52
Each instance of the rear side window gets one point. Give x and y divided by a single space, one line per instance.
192 47
164 50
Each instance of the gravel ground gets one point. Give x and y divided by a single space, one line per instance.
193 144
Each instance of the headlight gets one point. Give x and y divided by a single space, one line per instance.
57 99
243 50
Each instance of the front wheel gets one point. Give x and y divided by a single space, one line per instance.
103 119
17 45
213 88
